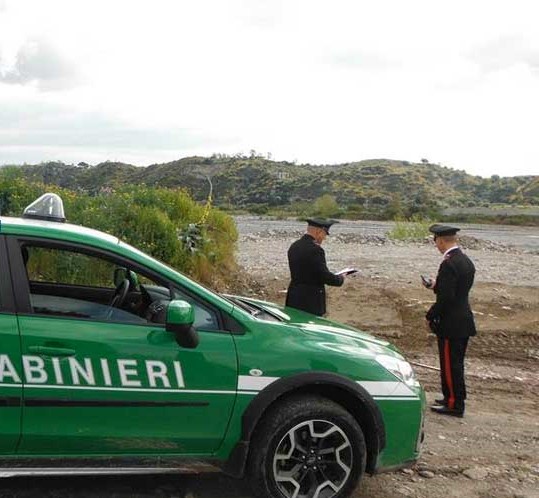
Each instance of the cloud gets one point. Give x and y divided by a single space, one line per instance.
98 135
40 131
39 62
261 13
301 79
505 52
362 60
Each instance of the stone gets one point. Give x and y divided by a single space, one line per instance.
475 473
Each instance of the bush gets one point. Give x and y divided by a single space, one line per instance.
151 219
326 206
415 228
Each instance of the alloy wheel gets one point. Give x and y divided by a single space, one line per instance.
312 460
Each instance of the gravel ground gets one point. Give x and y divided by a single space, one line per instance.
376 257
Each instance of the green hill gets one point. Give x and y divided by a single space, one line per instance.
377 187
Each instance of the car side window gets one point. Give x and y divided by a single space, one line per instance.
66 282
59 266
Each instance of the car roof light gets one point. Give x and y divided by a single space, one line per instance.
47 207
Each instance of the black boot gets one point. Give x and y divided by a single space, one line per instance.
444 410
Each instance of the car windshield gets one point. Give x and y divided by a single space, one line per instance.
253 309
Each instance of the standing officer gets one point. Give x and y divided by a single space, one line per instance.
451 318
308 270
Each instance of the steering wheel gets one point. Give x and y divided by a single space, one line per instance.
120 293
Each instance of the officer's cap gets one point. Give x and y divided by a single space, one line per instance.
440 230
321 223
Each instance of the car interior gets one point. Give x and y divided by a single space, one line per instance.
66 283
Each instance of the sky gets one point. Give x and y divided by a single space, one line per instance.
320 82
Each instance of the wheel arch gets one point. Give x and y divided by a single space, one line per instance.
350 395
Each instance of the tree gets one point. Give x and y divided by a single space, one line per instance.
326 206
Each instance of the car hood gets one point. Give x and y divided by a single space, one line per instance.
309 323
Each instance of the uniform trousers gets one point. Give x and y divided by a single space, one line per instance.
451 352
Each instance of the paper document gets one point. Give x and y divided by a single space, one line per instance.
346 271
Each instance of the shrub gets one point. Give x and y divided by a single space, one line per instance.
414 228
326 206
149 218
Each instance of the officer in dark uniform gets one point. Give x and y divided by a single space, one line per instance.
451 318
308 270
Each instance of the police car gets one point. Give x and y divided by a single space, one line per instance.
113 362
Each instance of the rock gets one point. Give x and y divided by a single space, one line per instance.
409 472
427 474
475 473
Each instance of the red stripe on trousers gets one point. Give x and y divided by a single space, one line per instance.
448 376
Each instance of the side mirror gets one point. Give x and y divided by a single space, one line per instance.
180 319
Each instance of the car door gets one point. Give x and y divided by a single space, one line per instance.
10 362
107 380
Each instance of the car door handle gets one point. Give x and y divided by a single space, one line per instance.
48 351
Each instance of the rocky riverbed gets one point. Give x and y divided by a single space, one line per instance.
365 245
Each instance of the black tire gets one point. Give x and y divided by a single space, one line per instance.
283 447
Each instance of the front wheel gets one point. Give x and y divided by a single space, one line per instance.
307 447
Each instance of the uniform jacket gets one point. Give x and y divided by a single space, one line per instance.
451 316
309 274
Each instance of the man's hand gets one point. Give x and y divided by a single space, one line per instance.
427 282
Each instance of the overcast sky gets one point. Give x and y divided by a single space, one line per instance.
308 81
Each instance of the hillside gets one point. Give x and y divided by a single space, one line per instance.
257 183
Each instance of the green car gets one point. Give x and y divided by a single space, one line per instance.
112 362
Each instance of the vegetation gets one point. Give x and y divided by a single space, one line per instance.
415 228
493 218
166 223
326 206
372 189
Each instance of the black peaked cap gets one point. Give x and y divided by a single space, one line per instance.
438 229
321 223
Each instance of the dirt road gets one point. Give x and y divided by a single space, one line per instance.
492 453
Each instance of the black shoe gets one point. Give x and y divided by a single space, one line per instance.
444 410
440 402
